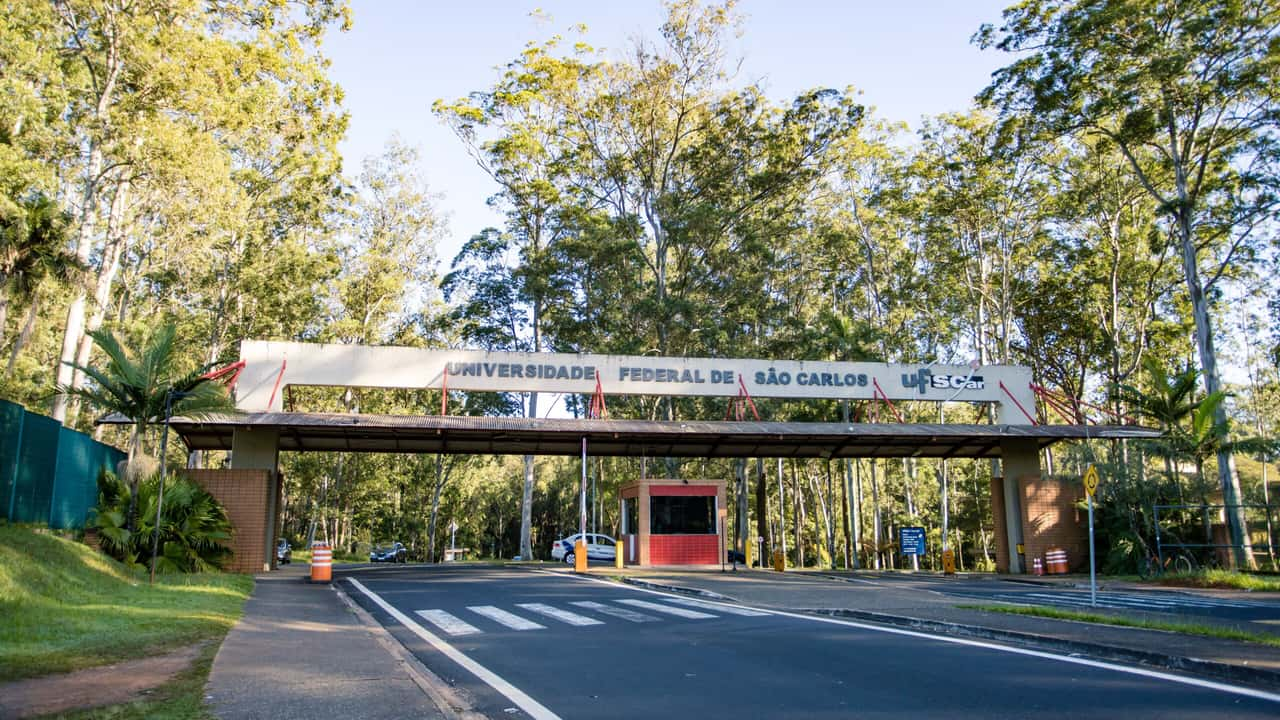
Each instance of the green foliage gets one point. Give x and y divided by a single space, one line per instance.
68 607
194 530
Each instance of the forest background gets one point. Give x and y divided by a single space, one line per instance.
1104 213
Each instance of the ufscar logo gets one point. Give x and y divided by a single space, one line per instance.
923 379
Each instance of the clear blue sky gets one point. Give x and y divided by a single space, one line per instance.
910 58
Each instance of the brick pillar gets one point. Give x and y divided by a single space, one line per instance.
1052 519
998 519
246 496
642 534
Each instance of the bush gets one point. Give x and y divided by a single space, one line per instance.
194 532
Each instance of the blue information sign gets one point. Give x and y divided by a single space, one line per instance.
912 540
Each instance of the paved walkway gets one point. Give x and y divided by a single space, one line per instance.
300 652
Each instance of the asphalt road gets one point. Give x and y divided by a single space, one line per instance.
1159 601
524 643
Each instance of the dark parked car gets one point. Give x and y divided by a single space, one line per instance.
284 553
393 553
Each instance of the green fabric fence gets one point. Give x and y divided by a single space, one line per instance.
48 473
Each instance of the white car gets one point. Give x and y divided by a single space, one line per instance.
599 547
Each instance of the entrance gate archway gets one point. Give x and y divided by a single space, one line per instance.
256 437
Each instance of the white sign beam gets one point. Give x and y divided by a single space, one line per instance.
271 366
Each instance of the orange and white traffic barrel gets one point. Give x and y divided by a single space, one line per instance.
1055 561
321 563
1036 566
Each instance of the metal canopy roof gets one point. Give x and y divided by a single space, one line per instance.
634 438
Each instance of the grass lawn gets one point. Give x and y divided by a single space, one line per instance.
1213 631
66 607
1228 579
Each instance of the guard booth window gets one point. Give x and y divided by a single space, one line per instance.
631 516
682 515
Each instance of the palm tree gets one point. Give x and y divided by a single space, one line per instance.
32 250
138 383
1169 402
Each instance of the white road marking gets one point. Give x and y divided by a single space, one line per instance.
556 613
1154 674
732 610
533 708
679 612
448 623
515 622
623 613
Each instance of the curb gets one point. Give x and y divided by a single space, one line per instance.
1212 668
677 589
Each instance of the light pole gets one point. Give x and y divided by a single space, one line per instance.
169 396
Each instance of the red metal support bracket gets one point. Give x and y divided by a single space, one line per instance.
234 370
1015 402
276 389
880 395
739 404
597 409
444 392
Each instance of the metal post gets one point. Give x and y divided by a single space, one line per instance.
1093 574
581 519
1155 509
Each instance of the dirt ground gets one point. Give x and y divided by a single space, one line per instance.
92 687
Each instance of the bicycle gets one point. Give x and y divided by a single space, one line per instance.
1176 562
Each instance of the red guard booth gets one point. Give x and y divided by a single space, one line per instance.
672 522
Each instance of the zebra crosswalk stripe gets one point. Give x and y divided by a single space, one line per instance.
731 609
511 620
678 612
556 613
448 623
618 612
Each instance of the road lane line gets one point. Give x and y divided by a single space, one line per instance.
745 612
1154 674
618 612
556 613
448 623
511 620
678 612
533 708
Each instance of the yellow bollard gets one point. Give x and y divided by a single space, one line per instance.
617 554
748 556
949 562
580 556
779 561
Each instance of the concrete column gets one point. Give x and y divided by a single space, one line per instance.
259 449
1020 458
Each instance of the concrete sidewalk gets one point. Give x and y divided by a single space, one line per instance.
866 598
301 652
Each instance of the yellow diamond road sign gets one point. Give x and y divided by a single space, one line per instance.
1091 480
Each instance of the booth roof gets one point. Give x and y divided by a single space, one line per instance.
635 438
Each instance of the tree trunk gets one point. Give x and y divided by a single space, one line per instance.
849 553
1227 478
741 505
877 520
442 477
798 514
112 253
762 509
24 337
782 509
